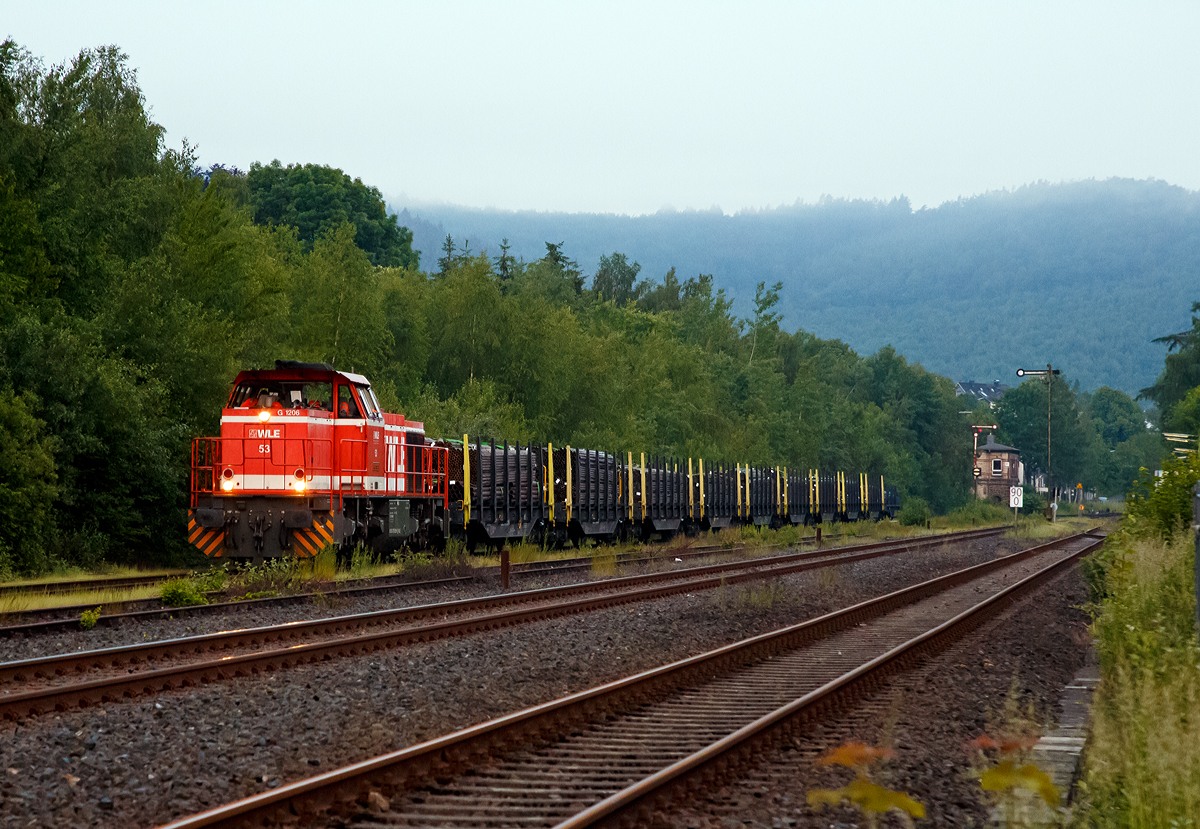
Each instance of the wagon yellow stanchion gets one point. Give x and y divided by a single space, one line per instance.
644 513
466 483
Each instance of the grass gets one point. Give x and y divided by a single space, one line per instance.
1143 765
21 602
77 574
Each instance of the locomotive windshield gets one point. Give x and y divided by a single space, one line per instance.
290 394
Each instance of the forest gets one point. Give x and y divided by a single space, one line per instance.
134 285
971 289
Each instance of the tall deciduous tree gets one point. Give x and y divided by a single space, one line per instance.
316 199
615 278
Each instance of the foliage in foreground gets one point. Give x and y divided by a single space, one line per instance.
863 793
1143 766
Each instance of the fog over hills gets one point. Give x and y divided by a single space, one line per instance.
1083 275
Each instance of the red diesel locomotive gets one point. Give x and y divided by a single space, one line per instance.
307 458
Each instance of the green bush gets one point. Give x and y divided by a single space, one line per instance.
181 593
979 510
210 580
88 619
1163 506
1034 502
915 512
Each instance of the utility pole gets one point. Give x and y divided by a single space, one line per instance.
1049 374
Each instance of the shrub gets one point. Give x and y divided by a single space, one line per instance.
979 510
1033 501
915 512
210 580
1163 506
181 593
88 619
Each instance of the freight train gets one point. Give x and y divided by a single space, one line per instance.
307 458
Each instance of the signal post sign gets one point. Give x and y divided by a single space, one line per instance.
1016 497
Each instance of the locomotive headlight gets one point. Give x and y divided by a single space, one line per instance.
264 415
299 485
227 485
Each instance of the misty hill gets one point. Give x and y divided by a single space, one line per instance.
1083 275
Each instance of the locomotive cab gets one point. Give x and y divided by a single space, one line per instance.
307 458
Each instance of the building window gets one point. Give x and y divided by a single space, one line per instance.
996 472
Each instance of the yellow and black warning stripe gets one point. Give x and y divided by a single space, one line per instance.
208 540
311 541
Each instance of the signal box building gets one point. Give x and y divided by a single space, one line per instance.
1000 468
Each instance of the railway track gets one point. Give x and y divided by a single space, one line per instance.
58 588
60 683
66 617
625 753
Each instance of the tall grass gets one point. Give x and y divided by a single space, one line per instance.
21 602
1143 765
109 571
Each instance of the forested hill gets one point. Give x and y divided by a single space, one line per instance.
1084 275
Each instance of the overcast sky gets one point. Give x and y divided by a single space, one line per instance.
632 107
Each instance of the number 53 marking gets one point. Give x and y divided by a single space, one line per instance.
264 449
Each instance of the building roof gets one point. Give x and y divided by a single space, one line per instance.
992 446
987 392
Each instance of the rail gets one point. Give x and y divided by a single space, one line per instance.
445 757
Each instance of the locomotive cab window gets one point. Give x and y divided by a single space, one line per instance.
293 394
368 402
347 405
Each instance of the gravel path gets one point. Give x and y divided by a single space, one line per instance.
153 759
1011 669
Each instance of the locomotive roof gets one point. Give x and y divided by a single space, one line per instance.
285 369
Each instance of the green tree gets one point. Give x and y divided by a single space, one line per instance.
1022 417
615 278
1185 415
1181 370
469 326
1115 415
766 319
28 486
505 265
316 200
339 318
449 257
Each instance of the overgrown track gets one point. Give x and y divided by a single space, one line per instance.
364 633
625 753
58 588
52 619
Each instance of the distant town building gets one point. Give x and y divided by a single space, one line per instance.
987 392
999 468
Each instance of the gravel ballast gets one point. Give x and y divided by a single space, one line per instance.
236 617
153 759
1010 671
